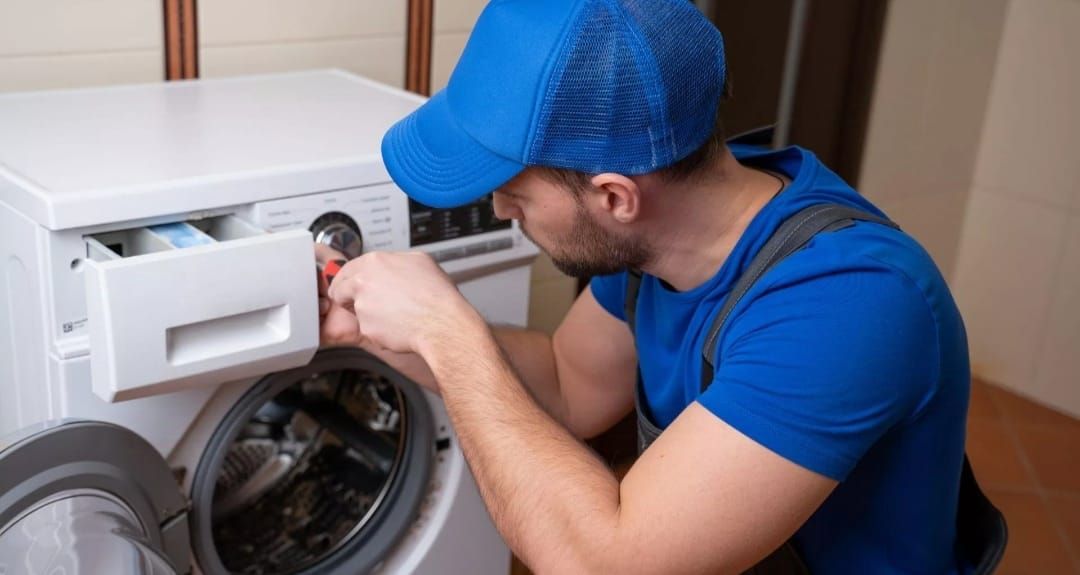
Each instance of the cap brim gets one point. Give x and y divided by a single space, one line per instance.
437 163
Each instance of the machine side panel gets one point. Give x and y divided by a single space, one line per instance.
162 419
502 298
23 384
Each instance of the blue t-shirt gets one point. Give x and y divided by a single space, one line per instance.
848 358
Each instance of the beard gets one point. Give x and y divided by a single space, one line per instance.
590 250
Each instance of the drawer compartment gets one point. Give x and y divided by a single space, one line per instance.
236 303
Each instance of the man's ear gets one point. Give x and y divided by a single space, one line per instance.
616 195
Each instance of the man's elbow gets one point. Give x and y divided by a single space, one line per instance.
598 555
577 562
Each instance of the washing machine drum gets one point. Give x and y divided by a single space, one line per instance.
319 469
85 497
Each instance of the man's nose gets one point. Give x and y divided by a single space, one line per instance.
505 208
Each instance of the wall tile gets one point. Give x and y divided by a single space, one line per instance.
446 49
1031 138
457 15
935 219
958 84
381 59
1057 380
549 301
1008 253
24 73
543 269
891 154
58 27
227 22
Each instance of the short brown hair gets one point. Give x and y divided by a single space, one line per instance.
683 170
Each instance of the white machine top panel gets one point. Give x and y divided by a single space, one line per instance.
85 157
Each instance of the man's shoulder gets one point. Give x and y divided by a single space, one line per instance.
868 252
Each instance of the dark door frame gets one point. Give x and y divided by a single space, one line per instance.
181 39
418 47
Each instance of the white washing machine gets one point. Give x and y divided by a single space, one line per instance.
163 404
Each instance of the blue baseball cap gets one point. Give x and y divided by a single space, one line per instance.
625 86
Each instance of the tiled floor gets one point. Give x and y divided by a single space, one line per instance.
1027 459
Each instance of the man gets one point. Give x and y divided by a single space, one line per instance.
834 419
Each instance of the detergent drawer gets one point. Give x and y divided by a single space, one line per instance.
175 306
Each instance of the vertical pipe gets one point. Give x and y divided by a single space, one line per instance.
790 79
181 39
418 47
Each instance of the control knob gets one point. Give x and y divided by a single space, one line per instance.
340 232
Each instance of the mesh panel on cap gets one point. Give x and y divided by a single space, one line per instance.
636 91
694 78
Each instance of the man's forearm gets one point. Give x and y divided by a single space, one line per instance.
533 358
552 499
530 352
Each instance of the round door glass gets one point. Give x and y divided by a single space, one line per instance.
309 467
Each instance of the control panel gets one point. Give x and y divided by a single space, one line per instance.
428 225
381 217
352 220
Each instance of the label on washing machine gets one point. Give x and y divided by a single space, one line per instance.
72 327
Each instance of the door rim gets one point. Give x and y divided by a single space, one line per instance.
45 460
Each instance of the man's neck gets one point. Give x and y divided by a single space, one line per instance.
697 232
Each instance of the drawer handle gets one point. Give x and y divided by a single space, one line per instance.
225 336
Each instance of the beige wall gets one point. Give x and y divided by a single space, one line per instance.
936 67
974 147
552 293
73 43
1018 275
454 20
239 37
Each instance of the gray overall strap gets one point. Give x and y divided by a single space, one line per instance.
789 238
647 431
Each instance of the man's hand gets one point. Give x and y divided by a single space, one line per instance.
337 325
402 301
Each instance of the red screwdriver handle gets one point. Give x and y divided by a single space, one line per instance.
331 269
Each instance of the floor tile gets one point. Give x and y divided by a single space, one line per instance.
1066 509
982 403
1034 543
1054 452
994 456
1021 410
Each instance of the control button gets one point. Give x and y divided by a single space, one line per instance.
449 254
477 249
500 244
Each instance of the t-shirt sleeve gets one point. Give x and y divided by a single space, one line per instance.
610 293
817 367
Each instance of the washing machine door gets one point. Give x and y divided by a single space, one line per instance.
86 498
318 470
